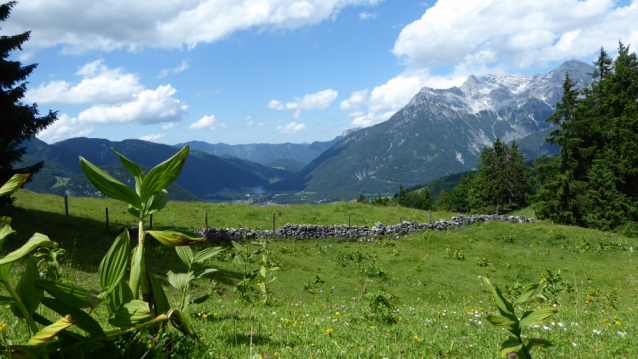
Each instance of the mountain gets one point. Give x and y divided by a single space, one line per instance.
439 132
264 153
205 176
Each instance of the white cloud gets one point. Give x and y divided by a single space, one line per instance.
316 101
99 85
515 33
371 118
169 126
165 72
114 24
208 122
148 107
365 16
291 128
153 138
64 127
356 100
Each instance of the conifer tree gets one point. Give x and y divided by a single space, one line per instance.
19 122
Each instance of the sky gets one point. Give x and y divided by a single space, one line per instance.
275 71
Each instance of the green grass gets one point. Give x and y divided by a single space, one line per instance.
437 302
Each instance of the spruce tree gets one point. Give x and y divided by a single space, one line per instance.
19 121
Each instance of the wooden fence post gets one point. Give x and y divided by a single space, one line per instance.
206 219
430 215
273 221
151 224
348 220
66 209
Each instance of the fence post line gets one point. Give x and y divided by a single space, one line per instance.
66 209
107 219
348 220
273 221
151 224
206 219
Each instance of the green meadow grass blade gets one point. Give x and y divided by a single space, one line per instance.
537 316
29 294
159 300
108 185
134 169
115 262
82 320
38 240
162 175
131 314
13 184
207 253
69 293
51 331
176 237
185 253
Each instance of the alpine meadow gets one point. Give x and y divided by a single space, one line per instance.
495 217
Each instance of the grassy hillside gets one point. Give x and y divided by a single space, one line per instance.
384 298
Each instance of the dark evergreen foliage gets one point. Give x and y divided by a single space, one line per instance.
19 121
594 182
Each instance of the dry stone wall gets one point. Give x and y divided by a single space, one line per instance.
311 231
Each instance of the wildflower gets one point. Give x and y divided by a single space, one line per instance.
337 313
287 320
574 344
618 323
622 335
417 338
597 332
512 355
295 324
373 327
329 331
2 325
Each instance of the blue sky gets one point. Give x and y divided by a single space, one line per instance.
273 71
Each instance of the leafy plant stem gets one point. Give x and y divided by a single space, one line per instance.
18 302
159 319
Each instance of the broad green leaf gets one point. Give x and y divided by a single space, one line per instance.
108 185
500 321
203 255
162 175
201 299
203 273
137 269
13 184
156 202
159 298
527 294
238 246
133 211
176 237
262 271
504 306
181 323
180 281
27 291
131 314
6 300
71 294
185 253
511 345
537 342
50 331
115 262
5 269
537 316
120 295
38 240
5 229
134 169
82 319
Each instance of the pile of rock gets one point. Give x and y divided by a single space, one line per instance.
311 231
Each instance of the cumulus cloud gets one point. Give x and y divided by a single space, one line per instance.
114 24
64 127
153 138
291 128
168 126
208 122
316 101
148 107
165 72
99 84
518 33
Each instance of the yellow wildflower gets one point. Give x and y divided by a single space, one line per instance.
337 313
329 331
294 324
2 325
373 327
287 320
